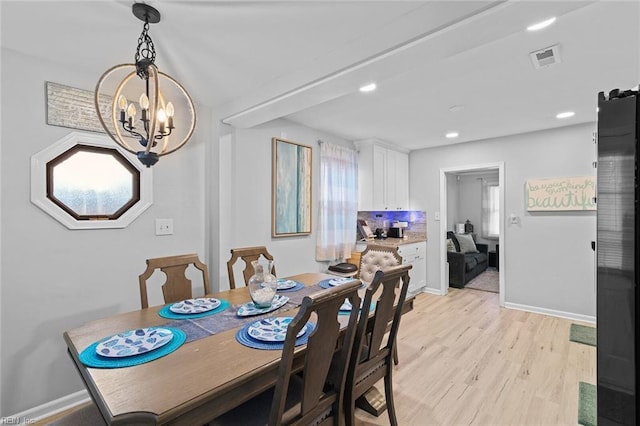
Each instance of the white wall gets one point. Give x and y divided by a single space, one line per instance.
249 196
549 264
54 279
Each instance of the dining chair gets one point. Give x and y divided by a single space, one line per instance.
315 396
87 414
247 254
374 258
372 356
177 286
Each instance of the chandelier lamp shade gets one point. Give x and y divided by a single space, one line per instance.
141 117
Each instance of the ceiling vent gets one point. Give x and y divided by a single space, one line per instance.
545 57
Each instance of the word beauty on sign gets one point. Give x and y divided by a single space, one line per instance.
561 194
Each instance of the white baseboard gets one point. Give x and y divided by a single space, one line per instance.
430 290
50 408
552 312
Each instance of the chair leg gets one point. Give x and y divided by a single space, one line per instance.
388 390
350 410
395 355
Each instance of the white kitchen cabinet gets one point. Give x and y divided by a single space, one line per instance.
416 255
383 177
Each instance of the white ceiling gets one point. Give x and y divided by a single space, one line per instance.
256 61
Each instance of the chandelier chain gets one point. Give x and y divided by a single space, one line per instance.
145 52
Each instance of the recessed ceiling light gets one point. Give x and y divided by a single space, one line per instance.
368 88
566 114
541 25
451 135
456 108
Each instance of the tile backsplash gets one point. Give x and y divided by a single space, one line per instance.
417 221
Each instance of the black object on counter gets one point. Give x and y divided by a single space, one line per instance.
380 234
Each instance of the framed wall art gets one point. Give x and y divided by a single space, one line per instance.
561 194
291 188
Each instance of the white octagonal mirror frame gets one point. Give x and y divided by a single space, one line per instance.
39 182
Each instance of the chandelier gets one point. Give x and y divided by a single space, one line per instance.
160 128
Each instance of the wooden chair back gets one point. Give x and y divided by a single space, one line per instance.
325 368
248 254
372 356
374 258
177 286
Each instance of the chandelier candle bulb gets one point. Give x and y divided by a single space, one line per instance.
170 113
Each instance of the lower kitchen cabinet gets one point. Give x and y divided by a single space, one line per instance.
416 255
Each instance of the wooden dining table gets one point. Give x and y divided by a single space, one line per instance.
199 381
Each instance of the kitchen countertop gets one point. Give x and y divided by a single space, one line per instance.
394 242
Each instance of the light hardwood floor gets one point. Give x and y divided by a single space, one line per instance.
466 361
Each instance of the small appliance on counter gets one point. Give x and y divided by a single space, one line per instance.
395 232
380 234
397 229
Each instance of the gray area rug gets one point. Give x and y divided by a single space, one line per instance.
489 280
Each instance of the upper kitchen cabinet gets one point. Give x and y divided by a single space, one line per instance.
383 176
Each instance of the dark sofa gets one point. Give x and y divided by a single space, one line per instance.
463 267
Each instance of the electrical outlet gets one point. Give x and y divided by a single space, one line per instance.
164 226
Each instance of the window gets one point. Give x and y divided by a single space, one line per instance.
490 210
338 201
86 181
90 182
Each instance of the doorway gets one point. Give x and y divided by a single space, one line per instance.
471 172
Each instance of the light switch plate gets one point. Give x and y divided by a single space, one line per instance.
436 216
164 226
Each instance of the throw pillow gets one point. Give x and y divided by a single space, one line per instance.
450 245
467 245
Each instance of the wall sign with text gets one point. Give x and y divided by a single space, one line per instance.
561 194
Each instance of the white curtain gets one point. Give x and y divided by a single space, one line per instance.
338 212
490 209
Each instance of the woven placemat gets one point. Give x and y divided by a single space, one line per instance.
242 336
166 312
90 358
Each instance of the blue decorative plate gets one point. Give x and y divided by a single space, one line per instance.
272 329
244 339
333 282
195 306
249 309
339 281
284 284
90 358
347 306
134 342
165 312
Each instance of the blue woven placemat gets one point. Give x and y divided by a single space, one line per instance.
90 358
325 284
242 336
166 312
298 286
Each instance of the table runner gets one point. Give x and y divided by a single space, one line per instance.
203 327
